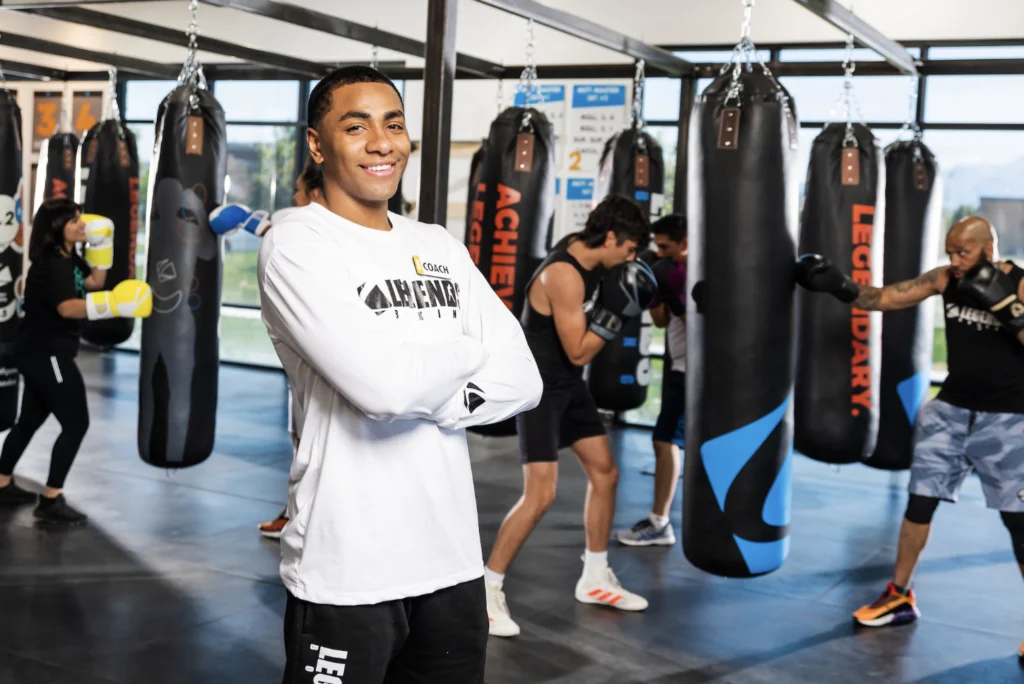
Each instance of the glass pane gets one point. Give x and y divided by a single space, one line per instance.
261 175
258 100
244 339
974 99
834 55
661 99
712 56
978 52
144 98
881 98
647 414
144 134
668 138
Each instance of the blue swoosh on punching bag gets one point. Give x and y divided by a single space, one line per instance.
912 391
724 457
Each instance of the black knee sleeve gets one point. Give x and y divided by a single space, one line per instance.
1015 523
920 509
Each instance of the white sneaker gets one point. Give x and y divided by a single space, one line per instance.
603 588
498 618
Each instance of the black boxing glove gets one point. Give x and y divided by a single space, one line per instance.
700 295
817 274
990 287
626 292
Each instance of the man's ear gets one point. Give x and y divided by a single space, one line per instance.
989 251
313 142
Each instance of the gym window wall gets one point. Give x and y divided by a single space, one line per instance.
968 121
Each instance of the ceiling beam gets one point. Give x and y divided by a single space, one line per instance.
343 28
34 71
123 63
593 33
131 27
865 34
18 4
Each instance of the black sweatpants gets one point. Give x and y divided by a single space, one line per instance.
53 384
439 638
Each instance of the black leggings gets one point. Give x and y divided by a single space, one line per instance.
53 384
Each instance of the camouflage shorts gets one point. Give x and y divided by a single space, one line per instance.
951 441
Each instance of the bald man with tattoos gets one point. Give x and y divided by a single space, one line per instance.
977 420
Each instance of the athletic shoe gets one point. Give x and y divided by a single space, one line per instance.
891 608
644 533
58 512
13 495
499 620
273 529
603 588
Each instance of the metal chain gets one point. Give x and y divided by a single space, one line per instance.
115 109
500 97
639 82
373 54
528 78
740 53
192 71
849 66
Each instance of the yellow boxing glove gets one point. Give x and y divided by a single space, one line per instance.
128 299
99 237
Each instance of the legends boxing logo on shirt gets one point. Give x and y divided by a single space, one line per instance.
983 320
419 295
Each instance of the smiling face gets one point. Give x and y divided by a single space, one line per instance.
362 143
74 230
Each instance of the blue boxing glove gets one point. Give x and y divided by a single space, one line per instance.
228 218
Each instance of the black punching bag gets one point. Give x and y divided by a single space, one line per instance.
839 349
631 165
110 180
913 217
514 204
11 253
180 345
511 211
742 212
57 174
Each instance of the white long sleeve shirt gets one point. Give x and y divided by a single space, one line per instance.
394 343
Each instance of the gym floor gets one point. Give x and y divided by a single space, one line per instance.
170 583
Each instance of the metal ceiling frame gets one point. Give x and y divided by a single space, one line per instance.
584 29
123 63
343 28
31 71
865 34
131 27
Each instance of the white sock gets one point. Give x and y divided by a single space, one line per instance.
659 521
491 577
594 560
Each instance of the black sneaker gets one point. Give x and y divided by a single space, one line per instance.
58 512
13 495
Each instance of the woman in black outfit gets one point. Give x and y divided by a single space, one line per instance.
56 304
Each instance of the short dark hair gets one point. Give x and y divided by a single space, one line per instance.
48 227
622 216
320 98
312 176
673 225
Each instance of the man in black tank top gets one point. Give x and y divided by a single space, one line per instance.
977 420
573 306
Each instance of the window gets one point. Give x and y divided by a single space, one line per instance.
258 100
835 55
144 138
648 413
974 99
880 98
978 52
144 98
668 138
661 99
712 56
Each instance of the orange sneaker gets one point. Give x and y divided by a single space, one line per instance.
273 529
891 608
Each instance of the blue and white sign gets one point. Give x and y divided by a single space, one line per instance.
597 113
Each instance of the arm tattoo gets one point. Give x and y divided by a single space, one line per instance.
924 279
869 299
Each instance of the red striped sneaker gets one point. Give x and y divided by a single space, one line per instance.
603 588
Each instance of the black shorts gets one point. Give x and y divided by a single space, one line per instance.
438 638
671 425
566 414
